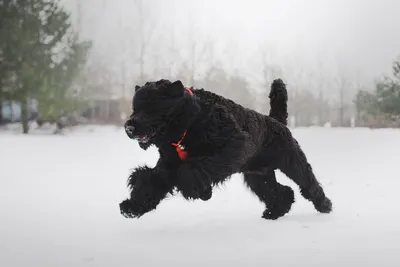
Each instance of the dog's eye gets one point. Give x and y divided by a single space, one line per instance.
140 116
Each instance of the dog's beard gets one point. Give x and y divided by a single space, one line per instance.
154 133
145 141
145 146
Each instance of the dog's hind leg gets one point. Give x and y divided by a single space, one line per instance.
277 198
295 165
278 101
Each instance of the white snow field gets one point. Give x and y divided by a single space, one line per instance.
60 194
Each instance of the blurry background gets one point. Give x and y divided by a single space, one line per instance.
77 61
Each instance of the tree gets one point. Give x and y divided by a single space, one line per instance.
144 36
240 92
215 80
270 70
388 91
199 52
385 100
234 87
40 51
265 67
388 97
296 77
345 80
342 84
318 82
366 103
57 96
8 23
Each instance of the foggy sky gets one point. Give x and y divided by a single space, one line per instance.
358 37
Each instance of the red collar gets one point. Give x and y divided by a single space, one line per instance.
189 91
182 154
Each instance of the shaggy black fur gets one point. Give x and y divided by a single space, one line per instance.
222 138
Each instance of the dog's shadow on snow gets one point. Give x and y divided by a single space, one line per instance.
228 228
311 217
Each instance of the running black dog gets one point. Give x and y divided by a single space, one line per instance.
204 138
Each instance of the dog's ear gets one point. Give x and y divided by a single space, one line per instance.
137 87
175 89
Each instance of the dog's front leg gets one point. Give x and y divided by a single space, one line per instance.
192 182
196 177
148 187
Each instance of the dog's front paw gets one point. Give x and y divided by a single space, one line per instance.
207 194
131 209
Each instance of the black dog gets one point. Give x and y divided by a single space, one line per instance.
204 138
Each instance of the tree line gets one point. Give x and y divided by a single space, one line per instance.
41 57
381 106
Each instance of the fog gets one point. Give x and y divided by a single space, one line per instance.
353 38
330 54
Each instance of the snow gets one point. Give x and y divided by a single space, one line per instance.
59 198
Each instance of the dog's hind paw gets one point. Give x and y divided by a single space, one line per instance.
284 201
270 215
324 205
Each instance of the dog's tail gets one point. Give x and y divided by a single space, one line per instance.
278 101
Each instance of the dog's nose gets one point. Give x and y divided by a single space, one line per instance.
129 130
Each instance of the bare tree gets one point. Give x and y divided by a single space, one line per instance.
79 16
99 78
199 52
270 70
264 71
342 82
125 44
295 77
145 32
317 83
169 58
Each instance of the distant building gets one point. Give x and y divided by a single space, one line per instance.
11 111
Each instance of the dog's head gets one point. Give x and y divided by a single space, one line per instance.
162 111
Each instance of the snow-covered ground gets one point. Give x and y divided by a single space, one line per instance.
59 199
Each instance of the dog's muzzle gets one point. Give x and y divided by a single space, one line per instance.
129 129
